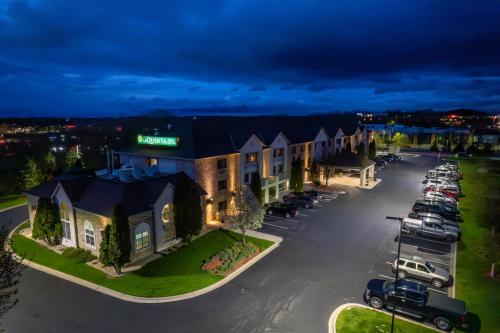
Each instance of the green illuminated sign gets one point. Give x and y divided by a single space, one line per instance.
157 140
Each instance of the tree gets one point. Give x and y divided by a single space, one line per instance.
49 165
188 216
327 167
314 172
104 247
73 160
256 186
115 245
361 150
415 139
47 223
245 211
348 147
10 273
32 175
434 146
372 150
297 176
401 140
487 148
492 252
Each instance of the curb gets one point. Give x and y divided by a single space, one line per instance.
332 321
167 299
12 207
453 269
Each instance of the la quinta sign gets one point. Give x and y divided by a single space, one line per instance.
157 140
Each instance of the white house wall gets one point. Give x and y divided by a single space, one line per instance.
61 196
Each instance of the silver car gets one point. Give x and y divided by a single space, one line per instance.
421 269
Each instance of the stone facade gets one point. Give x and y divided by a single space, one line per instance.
97 221
134 222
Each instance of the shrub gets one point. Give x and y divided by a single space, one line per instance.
225 259
79 255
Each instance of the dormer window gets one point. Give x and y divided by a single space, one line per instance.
251 158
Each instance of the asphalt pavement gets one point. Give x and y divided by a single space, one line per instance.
327 256
12 217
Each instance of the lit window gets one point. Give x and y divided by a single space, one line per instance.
222 206
89 234
142 236
66 230
167 217
251 158
63 211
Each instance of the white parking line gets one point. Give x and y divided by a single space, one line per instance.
427 240
274 225
300 214
388 263
282 218
387 277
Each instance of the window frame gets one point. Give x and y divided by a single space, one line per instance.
66 228
141 230
87 235
221 163
222 182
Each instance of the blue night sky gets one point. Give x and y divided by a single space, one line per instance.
98 58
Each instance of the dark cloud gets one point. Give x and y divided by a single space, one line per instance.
104 51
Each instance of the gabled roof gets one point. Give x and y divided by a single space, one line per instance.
101 196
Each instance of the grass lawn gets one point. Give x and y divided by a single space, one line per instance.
480 293
362 320
10 200
174 274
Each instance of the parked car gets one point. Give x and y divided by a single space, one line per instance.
394 157
301 201
380 161
422 215
452 193
449 206
463 155
443 174
421 269
288 210
314 195
439 195
412 299
435 209
441 182
436 230
314 198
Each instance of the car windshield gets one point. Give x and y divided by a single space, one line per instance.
430 266
388 285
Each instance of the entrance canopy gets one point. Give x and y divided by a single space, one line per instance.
351 162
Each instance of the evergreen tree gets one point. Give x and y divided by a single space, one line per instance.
297 176
117 246
32 175
10 273
47 223
256 187
348 147
361 150
104 247
372 150
188 217
327 167
314 172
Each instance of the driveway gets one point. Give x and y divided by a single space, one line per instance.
326 259
12 217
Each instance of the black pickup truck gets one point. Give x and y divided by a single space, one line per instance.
414 300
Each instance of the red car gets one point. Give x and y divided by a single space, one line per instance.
448 192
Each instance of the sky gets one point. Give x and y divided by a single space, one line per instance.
119 58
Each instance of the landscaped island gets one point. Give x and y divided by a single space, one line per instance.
357 319
177 273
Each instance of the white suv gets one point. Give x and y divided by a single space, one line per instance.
421 269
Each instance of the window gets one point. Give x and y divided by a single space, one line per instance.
221 163
280 168
150 161
167 213
402 262
411 265
414 296
274 169
221 185
251 158
167 217
278 152
422 268
89 234
247 178
302 148
66 230
222 206
63 211
141 236
323 144
294 149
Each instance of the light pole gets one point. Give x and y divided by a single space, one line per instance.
400 219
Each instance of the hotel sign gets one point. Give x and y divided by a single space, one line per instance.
157 140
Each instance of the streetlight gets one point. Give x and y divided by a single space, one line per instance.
400 219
